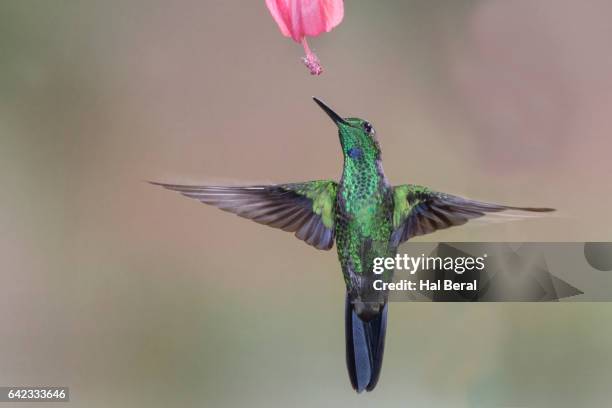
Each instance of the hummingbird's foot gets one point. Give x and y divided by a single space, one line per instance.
367 310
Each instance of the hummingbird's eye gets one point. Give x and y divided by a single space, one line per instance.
367 126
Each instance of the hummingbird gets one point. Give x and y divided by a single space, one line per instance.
365 216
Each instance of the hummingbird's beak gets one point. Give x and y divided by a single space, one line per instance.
333 115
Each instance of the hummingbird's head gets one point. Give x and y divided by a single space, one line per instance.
357 136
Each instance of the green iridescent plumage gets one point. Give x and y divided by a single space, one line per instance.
365 202
402 206
365 216
322 193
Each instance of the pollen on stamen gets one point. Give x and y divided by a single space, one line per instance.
311 60
313 64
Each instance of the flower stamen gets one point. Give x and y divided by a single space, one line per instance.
311 60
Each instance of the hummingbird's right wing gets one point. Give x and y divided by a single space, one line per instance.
308 208
419 211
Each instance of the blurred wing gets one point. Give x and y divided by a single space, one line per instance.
419 211
308 209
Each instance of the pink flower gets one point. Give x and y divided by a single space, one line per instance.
301 18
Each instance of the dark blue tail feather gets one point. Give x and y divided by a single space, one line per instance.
365 346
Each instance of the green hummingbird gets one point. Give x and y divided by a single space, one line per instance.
365 216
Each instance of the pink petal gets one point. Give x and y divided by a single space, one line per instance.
321 16
280 12
299 18
334 13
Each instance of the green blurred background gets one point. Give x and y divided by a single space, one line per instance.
136 297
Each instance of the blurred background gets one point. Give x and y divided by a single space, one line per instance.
137 297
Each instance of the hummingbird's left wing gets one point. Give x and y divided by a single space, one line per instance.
308 208
419 211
